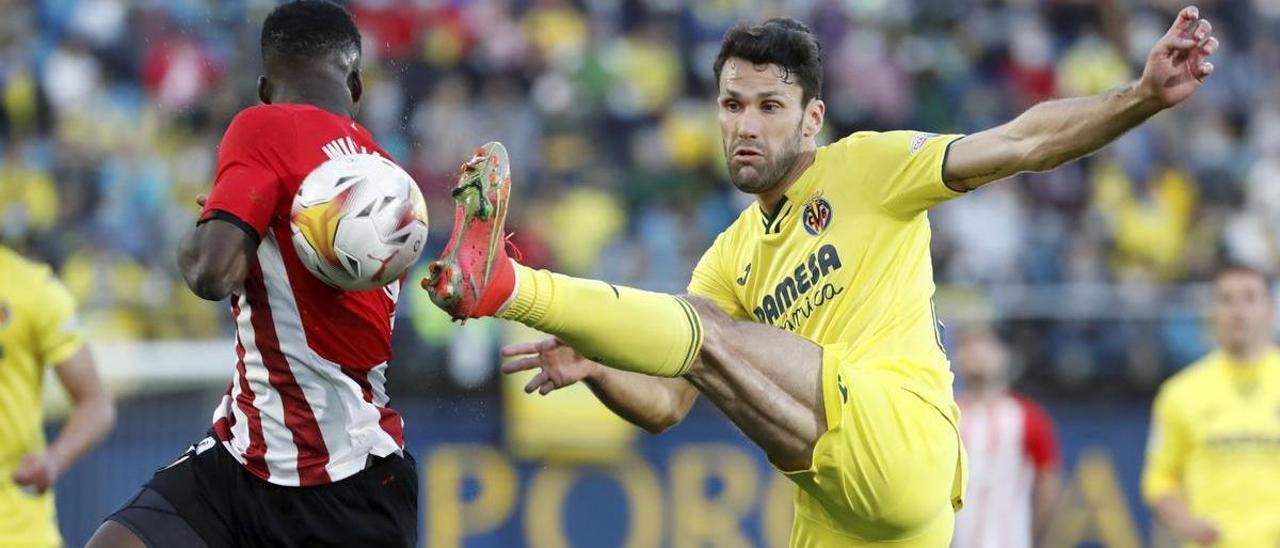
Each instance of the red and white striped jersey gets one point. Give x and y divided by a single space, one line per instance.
308 402
1008 440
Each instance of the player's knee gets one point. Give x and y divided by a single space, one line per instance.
113 535
714 323
707 310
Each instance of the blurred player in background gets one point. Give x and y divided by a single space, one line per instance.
1212 474
38 329
853 400
304 449
1015 476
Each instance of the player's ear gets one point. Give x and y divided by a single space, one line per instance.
356 85
264 90
814 115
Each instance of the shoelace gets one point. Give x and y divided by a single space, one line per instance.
512 250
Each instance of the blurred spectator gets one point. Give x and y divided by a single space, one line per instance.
28 196
72 77
1212 459
1015 476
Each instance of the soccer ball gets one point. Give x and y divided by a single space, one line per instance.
358 222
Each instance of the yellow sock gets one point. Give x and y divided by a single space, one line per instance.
621 327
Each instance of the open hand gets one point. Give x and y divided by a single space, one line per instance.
560 364
1178 64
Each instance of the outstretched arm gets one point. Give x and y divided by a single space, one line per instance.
652 403
1055 132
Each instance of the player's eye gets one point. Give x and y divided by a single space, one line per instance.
771 107
732 106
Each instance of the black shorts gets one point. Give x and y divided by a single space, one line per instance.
207 498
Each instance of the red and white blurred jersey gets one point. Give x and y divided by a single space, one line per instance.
308 402
1008 440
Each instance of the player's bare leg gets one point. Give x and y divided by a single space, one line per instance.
766 380
473 278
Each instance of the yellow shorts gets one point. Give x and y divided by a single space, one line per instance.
888 471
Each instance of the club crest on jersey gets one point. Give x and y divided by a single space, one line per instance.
816 215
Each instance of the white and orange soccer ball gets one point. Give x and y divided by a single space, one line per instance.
359 222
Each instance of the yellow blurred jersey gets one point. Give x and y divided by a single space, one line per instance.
845 262
37 329
1215 437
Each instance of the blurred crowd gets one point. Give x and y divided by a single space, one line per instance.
111 112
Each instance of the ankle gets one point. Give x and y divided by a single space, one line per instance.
501 290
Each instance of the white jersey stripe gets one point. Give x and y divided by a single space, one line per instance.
378 381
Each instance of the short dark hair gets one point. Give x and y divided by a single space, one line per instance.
306 30
781 41
1229 268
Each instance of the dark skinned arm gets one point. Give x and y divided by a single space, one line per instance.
215 255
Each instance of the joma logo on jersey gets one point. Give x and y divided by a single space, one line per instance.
805 277
745 272
816 215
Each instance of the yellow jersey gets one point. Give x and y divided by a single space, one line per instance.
845 259
37 329
1215 437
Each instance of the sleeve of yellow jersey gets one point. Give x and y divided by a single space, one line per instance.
711 281
57 334
903 168
1167 447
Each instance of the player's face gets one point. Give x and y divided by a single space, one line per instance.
763 123
980 358
1242 311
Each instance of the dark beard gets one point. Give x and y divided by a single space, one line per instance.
770 173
